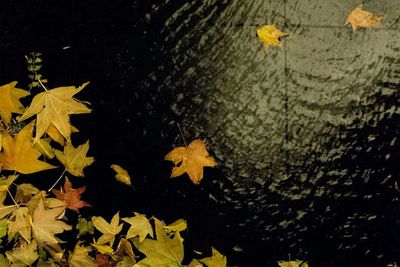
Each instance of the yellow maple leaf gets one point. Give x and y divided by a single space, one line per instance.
121 174
74 159
140 226
5 182
45 224
20 154
5 209
25 255
161 252
9 101
192 159
80 257
269 35
102 249
295 263
19 222
216 260
363 19
109 230
54 107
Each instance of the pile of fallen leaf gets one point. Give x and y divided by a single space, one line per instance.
36 138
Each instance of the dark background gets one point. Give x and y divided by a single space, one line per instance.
125 55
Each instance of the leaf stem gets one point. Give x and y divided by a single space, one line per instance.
15 202
44 87
180 131
59 178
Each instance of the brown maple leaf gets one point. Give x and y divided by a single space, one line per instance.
71 196
192 159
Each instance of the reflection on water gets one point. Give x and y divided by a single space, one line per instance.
307 134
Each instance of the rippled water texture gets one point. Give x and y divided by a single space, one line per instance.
307 134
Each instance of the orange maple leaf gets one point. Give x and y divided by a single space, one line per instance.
192 159
71 196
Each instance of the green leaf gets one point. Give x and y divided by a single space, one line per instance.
84 227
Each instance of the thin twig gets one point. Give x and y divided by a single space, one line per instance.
183 138
59 178
15 202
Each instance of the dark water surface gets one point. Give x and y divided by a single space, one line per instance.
306 136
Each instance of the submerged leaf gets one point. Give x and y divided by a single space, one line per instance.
363 19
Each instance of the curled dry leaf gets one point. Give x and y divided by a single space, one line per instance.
192 160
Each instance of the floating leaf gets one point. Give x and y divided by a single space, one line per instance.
121 174
9 101
109 230
54 107
71 196
269 35
192 160
74 159
140 226
20 155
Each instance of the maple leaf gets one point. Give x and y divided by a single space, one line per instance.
74 159
44 147
109 230
125 248
80 257
84 226
25 255
295 263
140 226
54 107
121 174
5 182
25 192
5 209
102 261
216 260
20 155
45 224
19 222
71 196
9 101
102 249
363 19
269 35
161 252
192 159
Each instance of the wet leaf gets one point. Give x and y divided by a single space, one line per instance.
192 160
363 19
295 263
